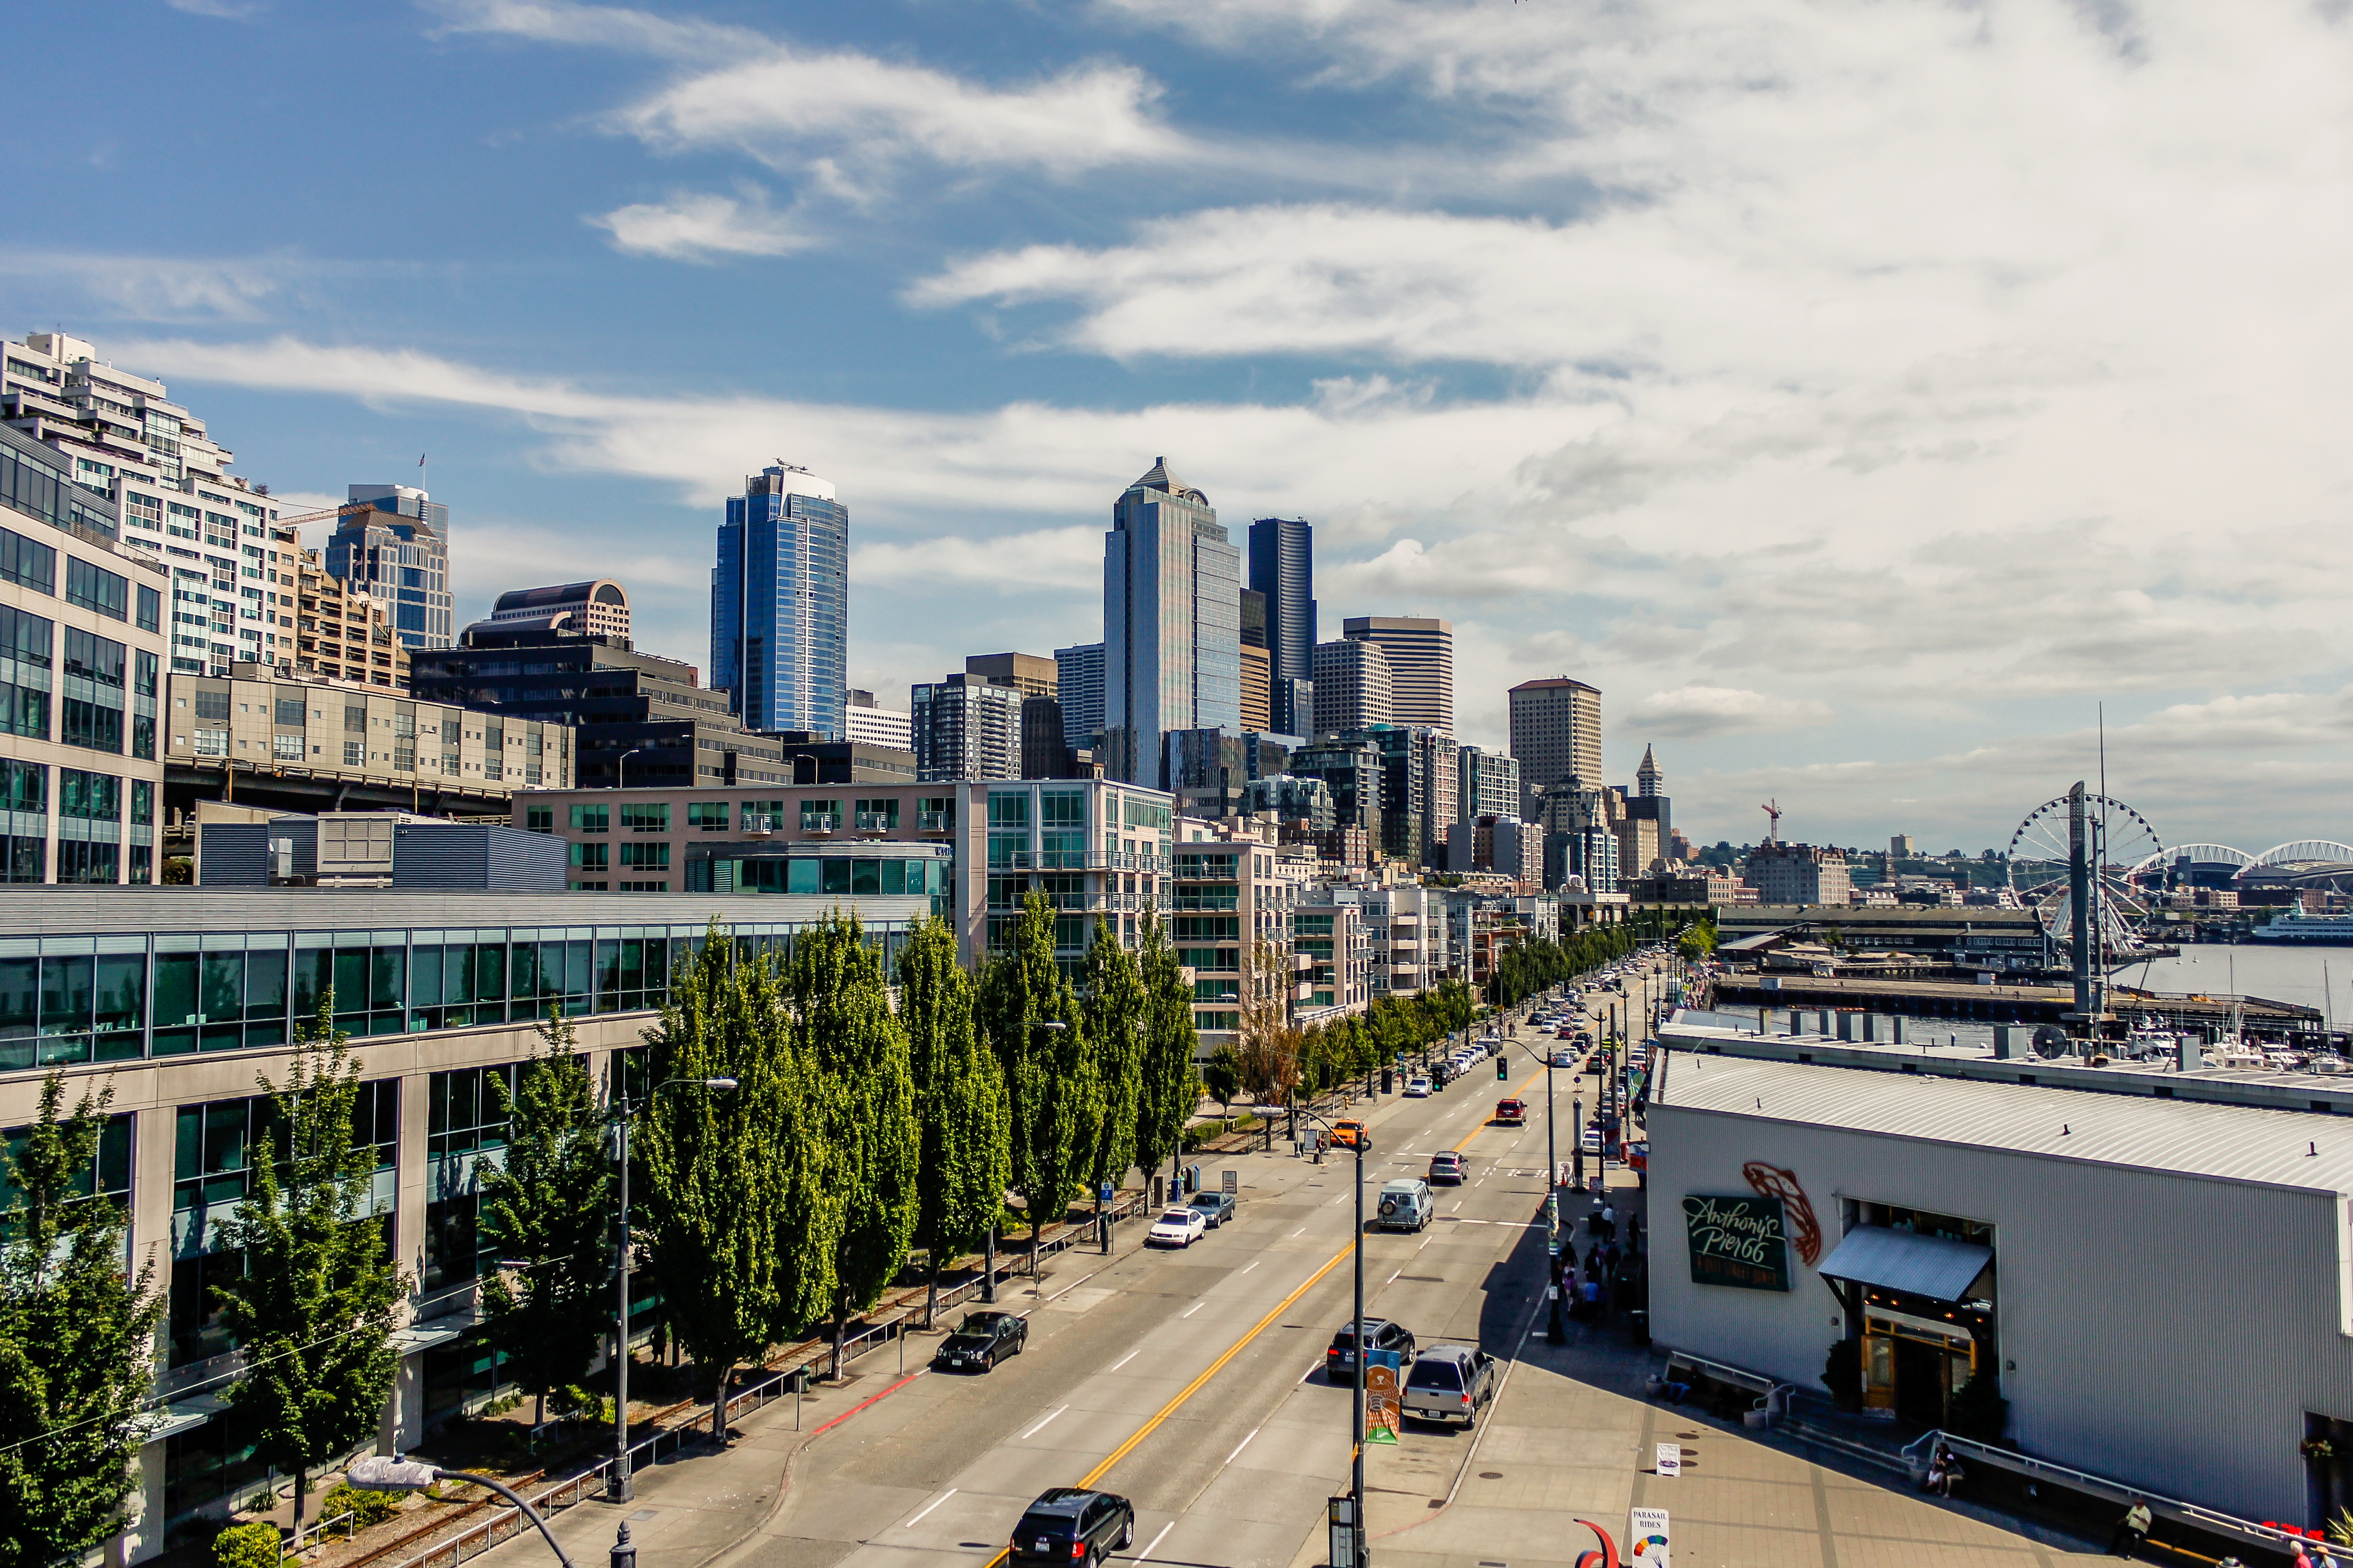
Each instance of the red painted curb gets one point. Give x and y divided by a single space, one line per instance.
854 1409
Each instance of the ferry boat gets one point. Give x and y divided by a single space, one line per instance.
2296 926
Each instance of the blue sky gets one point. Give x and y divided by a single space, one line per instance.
1857 393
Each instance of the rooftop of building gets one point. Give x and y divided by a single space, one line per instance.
1555 683
61 911
2186 1137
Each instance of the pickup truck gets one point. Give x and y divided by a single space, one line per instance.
1511 1112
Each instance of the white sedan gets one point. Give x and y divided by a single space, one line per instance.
1416 1088
1177 1228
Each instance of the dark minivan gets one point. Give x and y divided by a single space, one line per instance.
1070 1524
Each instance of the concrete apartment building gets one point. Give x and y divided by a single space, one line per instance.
974 849
865 723
1797 874
1232 891
329 628
324 744
178 1000
966 727
82 651
1351 687
1420 650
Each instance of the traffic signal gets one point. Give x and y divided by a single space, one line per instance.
1503 1068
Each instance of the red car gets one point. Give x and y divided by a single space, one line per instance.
1511 1112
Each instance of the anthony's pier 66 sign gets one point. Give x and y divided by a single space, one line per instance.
1737 1239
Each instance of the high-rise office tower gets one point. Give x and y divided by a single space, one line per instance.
866 720
599 608
1172 623
398 553
1351 687
1258 710
1024 672
1282 567
1079 683
780 604
1556 731
1421 651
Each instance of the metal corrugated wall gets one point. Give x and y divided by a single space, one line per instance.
2169 1330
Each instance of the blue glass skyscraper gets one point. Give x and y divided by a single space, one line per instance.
780 604
1171 624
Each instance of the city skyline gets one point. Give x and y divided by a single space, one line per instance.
1880 564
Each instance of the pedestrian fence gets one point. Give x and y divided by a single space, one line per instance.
342 1525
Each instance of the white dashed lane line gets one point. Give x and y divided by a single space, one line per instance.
933 1504
1041 1425
1125 1358
1191 1310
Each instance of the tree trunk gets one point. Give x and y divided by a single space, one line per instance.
932 1294
719 1408
301 1485
540 1407
840 1316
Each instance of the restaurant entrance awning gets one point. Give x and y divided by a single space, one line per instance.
1928 1266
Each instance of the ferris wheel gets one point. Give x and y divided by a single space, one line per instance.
2117 840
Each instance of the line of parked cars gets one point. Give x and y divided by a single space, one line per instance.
1445 1383
1182 1224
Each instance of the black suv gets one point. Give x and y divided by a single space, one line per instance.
984 1340
1216 1207
1069 1524
1340 1360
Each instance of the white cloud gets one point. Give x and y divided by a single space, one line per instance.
703 227
1692 712
598 26
1046 560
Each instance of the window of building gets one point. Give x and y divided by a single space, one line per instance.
151 609
1061 808
592 856
91 713
1010 810
879 816
646 817
707 815
24 643
591 819
820 816
93 587
643 857
935 813
354 753
539 818
28 563
24 820
763 815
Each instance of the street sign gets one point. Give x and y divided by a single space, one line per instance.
1233 1181
1646 1539
1340 1519
1671 1460
1384 1410
1736 1239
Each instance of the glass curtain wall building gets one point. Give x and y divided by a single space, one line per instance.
780 604
1282 567
398 553
1172 623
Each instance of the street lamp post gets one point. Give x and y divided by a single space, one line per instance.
1356 1431
621 767
384 1473
617 1487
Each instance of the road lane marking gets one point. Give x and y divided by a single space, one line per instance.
1300 1232
1214 1367
1041 1425
1241 1445
1125 1358
1457 1208
1250 1264
1157 1541
1191 1310
928 1507
1392 1279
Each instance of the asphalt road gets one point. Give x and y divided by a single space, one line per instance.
1191 1382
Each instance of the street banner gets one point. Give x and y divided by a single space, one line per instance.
1670 1459
1646 1542
1383 1409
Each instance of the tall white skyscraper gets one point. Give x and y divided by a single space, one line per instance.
1172 623
1420 654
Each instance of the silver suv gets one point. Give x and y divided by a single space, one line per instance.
1450 1382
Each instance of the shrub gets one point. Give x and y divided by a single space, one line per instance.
366 1508
247 1546
1979 1412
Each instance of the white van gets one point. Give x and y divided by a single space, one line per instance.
1405 1205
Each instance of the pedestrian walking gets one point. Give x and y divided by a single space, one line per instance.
1634 1233
2132 1530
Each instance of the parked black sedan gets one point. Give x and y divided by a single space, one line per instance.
981 1341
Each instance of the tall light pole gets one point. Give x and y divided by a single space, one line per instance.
1356 1431
621 768
384 1473
617 1488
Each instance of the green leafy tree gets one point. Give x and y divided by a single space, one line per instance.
1051 1088
76 1340
842 1014
551 1206
1169 1088
1115 1006
964 1166
313 1311
1223 1075
1697 942
740 1218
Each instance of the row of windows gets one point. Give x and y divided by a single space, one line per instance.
881 815
109 999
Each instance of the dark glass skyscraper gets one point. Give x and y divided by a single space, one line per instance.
780 604
1172 623
1282 567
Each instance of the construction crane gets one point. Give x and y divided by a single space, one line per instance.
1772 810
